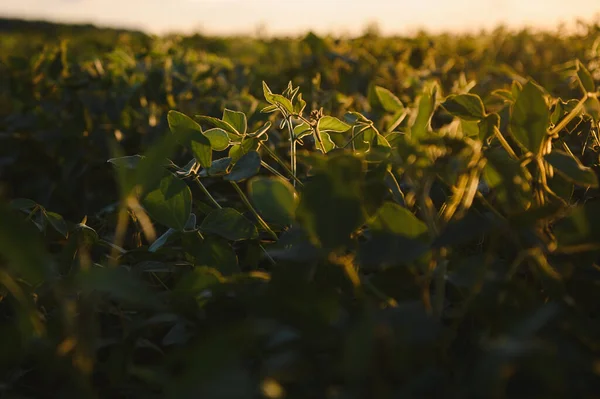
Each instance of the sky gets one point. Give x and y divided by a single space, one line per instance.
298 16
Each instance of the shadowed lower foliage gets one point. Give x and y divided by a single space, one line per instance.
407 218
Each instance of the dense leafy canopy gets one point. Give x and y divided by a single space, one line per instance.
373 217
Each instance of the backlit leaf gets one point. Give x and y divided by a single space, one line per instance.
189 134
331 124
218 123
393 218
529 119
571 168
465 106
236 119
585 78
219 140
388 100
421 125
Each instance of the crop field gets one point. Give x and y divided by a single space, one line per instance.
311 217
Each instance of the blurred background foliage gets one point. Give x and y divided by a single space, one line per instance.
211 317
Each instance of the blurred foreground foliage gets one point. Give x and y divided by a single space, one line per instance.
307 217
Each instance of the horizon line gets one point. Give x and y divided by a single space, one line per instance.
262 29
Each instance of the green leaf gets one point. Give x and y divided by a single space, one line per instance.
150 168
129 162
327 142
231 131
57 222
509 179
504 94
388 100
198 280
219 140
269 109
247 166
530 117
170 203
330 124
570 168
274 198
364 140
487 125
219 167
277 99
356 117
300 105
238 150
585 78
284 103
558 112
261 131
22 204
381 141
201 148
581 229
118 285
215 252
592 108
302 130
85 234
393 218
230 224
465 106
385 250
236 119
396 120
421 125
330 206
561 186
161 241
182 126
189 134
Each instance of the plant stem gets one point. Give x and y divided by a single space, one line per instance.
272 170
292 148
260 220
319 138
354 136
280 162
504 143
316 132
206 192
245 199
570 116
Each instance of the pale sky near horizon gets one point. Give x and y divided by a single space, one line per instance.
290 17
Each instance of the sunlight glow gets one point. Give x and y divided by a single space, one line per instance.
291 17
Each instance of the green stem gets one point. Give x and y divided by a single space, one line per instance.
316 132
260 220
354 136
571 115
504 143
292 148
271 169
280 162
216 204
207 193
